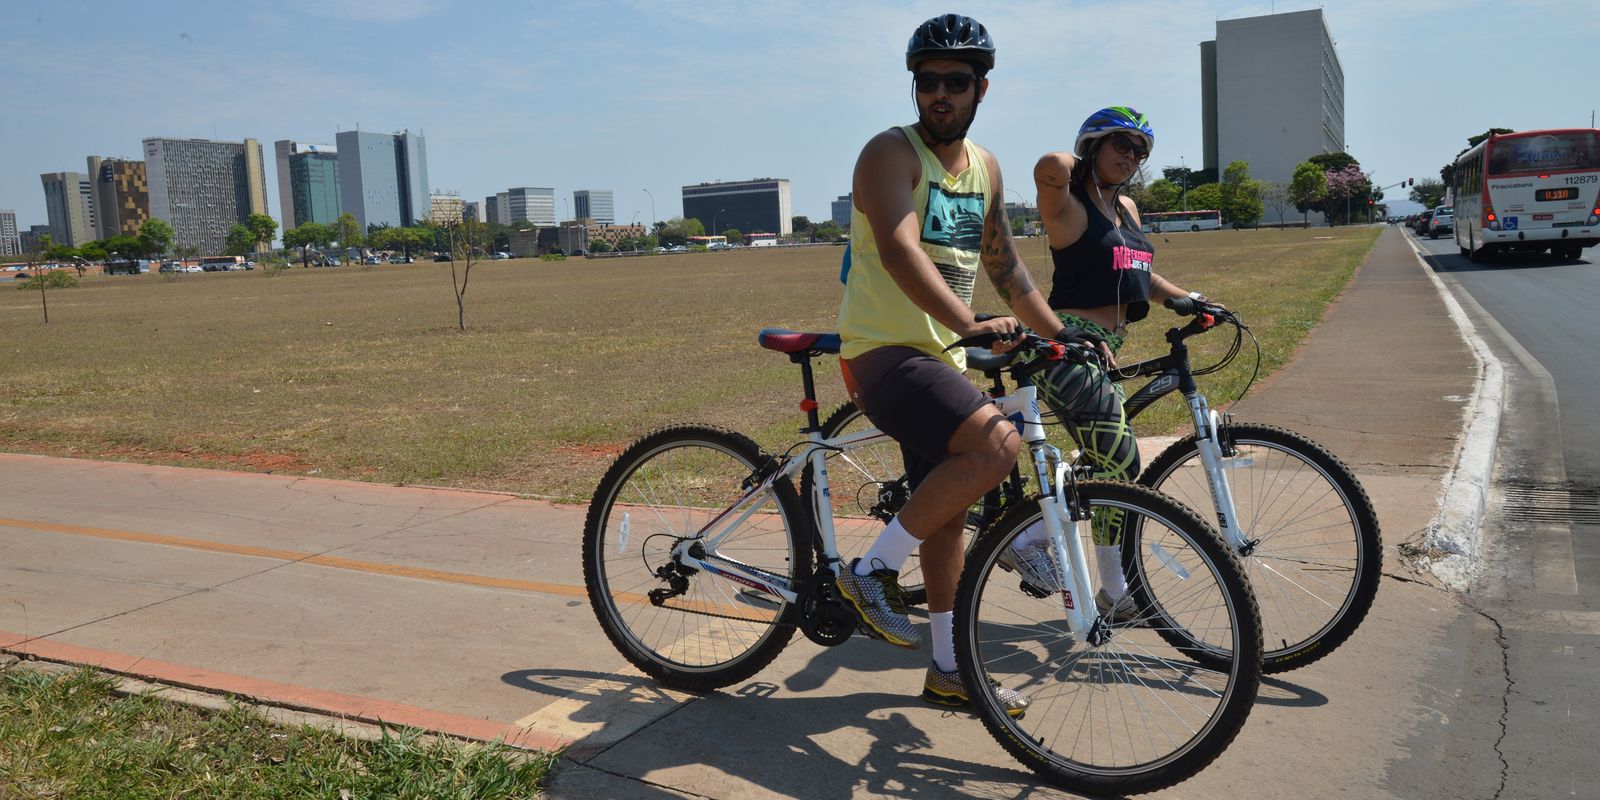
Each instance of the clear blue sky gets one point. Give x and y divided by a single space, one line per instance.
656 94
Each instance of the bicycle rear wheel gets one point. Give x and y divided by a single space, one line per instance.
1318 553
701 630
1125 710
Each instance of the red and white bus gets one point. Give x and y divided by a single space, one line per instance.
1168 221
1528 192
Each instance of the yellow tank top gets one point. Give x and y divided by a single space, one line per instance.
950 211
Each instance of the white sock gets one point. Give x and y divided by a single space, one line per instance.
893 547
1108 558
942 628
1032 536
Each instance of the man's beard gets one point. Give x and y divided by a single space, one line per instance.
955 129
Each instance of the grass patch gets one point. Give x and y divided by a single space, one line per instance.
360 373
69 735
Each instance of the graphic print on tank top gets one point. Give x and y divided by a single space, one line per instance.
1123 257
953 220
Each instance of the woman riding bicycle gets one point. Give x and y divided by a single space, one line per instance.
1103 280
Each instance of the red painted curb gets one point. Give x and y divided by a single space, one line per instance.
299 698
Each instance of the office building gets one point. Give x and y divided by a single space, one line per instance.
1271 94
203 188
308 183
121 196
530 204
10 242
33 238
841 211
594 205
491 209
755 206
383 177
445 208
69 202
472 211
612 234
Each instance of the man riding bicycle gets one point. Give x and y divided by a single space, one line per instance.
928 211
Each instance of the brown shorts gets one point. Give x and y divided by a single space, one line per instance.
917 399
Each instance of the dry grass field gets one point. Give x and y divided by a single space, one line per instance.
359 372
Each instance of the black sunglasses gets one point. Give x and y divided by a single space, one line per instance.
954 82
1123 144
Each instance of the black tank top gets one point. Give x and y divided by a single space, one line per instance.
1104 267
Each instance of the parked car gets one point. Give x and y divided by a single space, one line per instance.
1421 225
441 256
372 260
501 256
1442 223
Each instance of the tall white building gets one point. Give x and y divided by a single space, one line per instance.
383 177
596 205
530 204
1271 93
69 201
10 242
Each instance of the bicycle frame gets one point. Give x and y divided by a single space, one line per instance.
1052 472
1173 373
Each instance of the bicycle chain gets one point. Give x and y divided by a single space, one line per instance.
768 573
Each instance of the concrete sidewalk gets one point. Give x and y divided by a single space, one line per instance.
465 612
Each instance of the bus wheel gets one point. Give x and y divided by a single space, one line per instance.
1479 255
1194 228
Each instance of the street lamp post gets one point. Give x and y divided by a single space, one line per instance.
1184 165
714 218
652 207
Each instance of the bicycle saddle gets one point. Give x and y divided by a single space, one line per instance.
784 340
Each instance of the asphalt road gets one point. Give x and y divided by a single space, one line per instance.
1542 530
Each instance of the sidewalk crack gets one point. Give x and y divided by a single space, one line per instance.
1505 698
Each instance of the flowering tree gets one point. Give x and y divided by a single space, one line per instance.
1344 185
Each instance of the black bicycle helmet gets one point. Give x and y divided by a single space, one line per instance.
951 36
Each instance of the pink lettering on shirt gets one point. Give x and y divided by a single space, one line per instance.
1129 258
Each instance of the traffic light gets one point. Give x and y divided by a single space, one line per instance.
1411 181
1369 201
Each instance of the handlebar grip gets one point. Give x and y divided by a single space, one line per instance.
1182 306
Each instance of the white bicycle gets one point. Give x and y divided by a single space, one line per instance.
701 562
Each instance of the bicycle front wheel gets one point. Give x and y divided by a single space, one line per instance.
1122 710
1315 553
692 628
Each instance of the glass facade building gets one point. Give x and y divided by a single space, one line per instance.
314 188
595 205
756 206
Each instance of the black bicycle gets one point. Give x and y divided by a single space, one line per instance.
1296 515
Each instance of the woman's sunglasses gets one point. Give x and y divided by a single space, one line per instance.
1124 144
954 82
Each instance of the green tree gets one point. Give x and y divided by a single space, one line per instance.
1205 197
1241 195
50 278
599 246
307 236
240 240
676 231
1428 192
827 232
1308 188
1333 162
155 237
348 230
1162 195
263 229
733 236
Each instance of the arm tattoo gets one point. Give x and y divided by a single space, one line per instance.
1006 271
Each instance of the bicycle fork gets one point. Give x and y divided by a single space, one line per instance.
1208 433
1061 513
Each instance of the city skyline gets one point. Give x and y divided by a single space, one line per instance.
739 108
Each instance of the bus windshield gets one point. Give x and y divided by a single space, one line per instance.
1549 152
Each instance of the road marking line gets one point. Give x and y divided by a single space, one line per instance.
335 562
